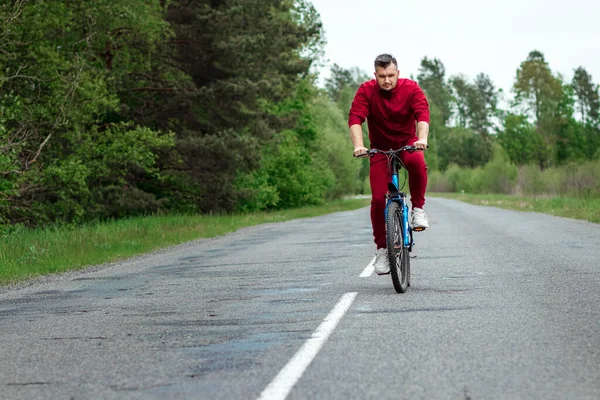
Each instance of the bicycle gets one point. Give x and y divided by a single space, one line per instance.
399 233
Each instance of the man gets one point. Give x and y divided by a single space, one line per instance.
391 107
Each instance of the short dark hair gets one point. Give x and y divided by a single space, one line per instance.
384 61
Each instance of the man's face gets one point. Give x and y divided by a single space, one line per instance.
387 78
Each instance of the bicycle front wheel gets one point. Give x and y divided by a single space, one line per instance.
397 251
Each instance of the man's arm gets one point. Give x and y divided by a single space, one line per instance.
422 135
356 117
420 107
357 140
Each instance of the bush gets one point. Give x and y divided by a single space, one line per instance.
552 180
499 175
582 179
529 180
459 179
288 177
573 179
438 182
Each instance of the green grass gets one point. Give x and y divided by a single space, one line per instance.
28 253
585 208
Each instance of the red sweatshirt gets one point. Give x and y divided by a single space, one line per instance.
390 115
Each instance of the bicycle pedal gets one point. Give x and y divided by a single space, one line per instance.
418 229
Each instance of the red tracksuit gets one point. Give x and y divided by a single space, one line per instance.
391 117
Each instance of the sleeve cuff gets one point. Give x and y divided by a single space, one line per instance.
354 120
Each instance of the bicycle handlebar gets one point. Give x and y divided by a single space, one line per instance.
371 152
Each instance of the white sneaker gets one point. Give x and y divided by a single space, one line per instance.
419 219
382 262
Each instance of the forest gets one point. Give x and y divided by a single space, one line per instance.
110 109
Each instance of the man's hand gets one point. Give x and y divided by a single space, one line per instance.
360 151
421 144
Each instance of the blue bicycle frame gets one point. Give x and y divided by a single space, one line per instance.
394 194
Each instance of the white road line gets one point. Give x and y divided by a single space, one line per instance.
368 270
280 387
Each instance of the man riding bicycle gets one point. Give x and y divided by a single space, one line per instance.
391 107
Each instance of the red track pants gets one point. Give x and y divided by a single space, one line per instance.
379 178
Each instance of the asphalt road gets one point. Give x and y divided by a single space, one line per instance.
503 305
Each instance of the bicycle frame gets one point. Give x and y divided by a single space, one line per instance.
394 194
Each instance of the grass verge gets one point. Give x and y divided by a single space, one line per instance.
28 253
585 208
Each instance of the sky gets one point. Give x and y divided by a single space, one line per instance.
468 36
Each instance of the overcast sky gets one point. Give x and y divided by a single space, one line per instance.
468 36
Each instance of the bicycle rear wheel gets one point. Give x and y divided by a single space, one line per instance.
397 252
